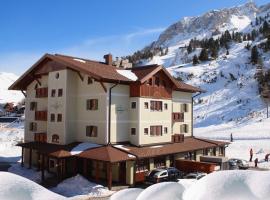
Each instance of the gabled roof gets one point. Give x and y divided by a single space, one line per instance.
98 70
107 154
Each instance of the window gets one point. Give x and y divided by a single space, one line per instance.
184 107
52 163
32 126
53 93
59 117
33 105
92 104
157 81
178 117
133 131
146 105
156 105
145 131
52 117
142 165
165 106
165 129
156 130
40 137
89 80
149 82
57 75
55 138
184 128
133 105
60 92
159 162
91 131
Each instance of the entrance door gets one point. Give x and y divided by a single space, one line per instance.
122 172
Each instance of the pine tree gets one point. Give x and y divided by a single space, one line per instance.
214 52
254 55
195 60
189 48
204 55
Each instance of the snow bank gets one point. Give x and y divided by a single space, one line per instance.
132 194
78 185
161 191
128 74
227 185
31 174
82 147
16 187
223 185
9 137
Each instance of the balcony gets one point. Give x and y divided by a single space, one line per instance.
40 137
178 138
177 117
42 92
41 115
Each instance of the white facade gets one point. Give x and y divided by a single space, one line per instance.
72 106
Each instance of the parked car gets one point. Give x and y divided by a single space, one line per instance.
238 163
164 174
195 175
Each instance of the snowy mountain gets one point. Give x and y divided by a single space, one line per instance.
232 103
6 79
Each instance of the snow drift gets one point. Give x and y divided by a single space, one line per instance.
14 187
223 185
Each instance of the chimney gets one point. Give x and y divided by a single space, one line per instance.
108 59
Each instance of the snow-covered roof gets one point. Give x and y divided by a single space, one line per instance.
82 147
128 74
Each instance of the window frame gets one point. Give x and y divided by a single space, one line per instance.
92 104
133 105
52 117
60 92
91 131
133 131
146 131
53 93
59 117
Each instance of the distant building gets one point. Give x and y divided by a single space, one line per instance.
105 122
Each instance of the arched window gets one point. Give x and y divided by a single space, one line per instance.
55 138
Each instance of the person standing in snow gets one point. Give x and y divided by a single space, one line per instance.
256 162
251 154
231 137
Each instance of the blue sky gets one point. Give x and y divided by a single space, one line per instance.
88 28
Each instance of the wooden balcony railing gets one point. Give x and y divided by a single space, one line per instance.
41 115
42 92
177 138
40 137
177 117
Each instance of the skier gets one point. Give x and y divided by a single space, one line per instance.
251 155
256 162
231 137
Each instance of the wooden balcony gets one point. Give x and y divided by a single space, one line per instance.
42 92
40 137
178 138
177 117
41 115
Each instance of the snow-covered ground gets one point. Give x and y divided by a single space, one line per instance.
9 137
78 185
14 187
223 185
